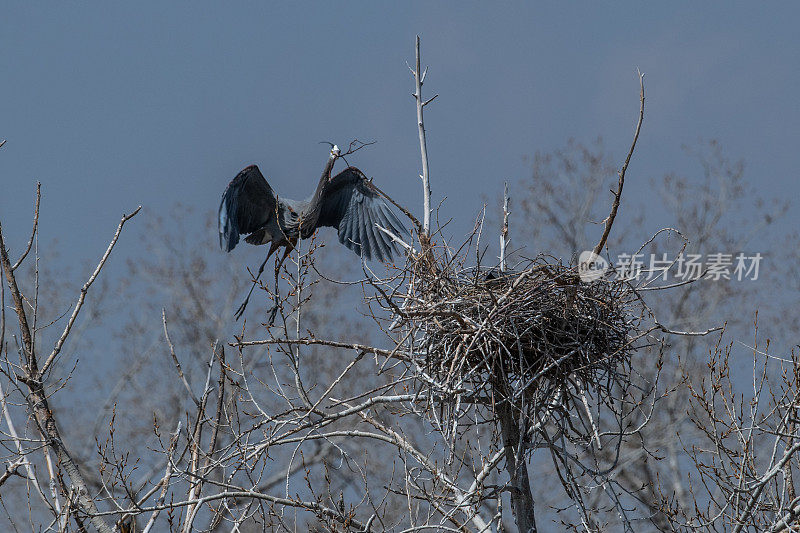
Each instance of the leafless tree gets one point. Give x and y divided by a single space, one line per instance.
717 211
447 386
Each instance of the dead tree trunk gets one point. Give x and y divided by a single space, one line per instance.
514 445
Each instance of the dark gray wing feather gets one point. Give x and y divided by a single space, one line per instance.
385 246
380 250
373 236
363 230
247 205
386 219
352 205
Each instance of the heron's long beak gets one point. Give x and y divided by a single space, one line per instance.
334 148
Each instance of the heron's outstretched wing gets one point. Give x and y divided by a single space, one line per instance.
351 204
247 205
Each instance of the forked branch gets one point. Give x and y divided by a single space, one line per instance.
609 221
82 297
419 79
32 377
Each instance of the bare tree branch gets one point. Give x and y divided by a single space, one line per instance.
38 401
609 221
84 290
419 78
35 226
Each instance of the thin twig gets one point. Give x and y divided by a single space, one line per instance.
84 290
609 221
175 361
165 480
504 230
35 226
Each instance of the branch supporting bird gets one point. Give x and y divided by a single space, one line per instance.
347 201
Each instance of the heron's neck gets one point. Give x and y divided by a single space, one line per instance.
323 181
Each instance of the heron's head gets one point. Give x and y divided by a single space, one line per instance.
334 149
334 154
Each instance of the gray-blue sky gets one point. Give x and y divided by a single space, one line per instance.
115 105
112 105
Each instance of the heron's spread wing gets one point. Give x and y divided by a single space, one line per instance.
352 205
247 205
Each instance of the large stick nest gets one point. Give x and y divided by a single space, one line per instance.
533 332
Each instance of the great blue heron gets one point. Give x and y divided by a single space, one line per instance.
348 202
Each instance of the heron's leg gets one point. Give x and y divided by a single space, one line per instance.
242 307
274 311
288 249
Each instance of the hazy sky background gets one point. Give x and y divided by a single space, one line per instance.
114 105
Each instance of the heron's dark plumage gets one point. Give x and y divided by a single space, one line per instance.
247 205
353 206
347 202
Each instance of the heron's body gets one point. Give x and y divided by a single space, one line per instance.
283 228
348 202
